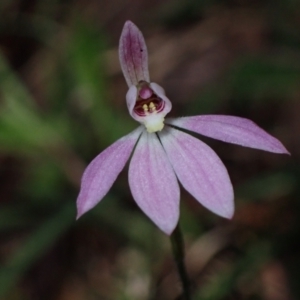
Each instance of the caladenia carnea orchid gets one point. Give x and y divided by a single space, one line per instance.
162 153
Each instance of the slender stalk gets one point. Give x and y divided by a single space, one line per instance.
178 252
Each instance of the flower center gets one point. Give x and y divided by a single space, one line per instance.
149 106
148 103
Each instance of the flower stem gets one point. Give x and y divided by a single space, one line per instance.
178 252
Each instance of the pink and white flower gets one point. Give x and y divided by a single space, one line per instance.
163 154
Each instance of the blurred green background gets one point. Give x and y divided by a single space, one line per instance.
62 101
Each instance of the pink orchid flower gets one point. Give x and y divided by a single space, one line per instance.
163 154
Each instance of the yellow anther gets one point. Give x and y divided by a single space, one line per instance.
152 106
145 107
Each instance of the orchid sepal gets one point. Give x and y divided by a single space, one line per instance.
231 129
103 170
133 55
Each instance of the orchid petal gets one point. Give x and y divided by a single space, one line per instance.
231 129
199 170
131 97
153 183
160 92
133 55
102 172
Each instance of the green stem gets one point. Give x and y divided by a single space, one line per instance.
178 252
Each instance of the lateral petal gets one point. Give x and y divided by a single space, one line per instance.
160 92
199 170
133 55
102 172
153 183
231 129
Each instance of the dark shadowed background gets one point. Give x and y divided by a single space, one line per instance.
62 101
